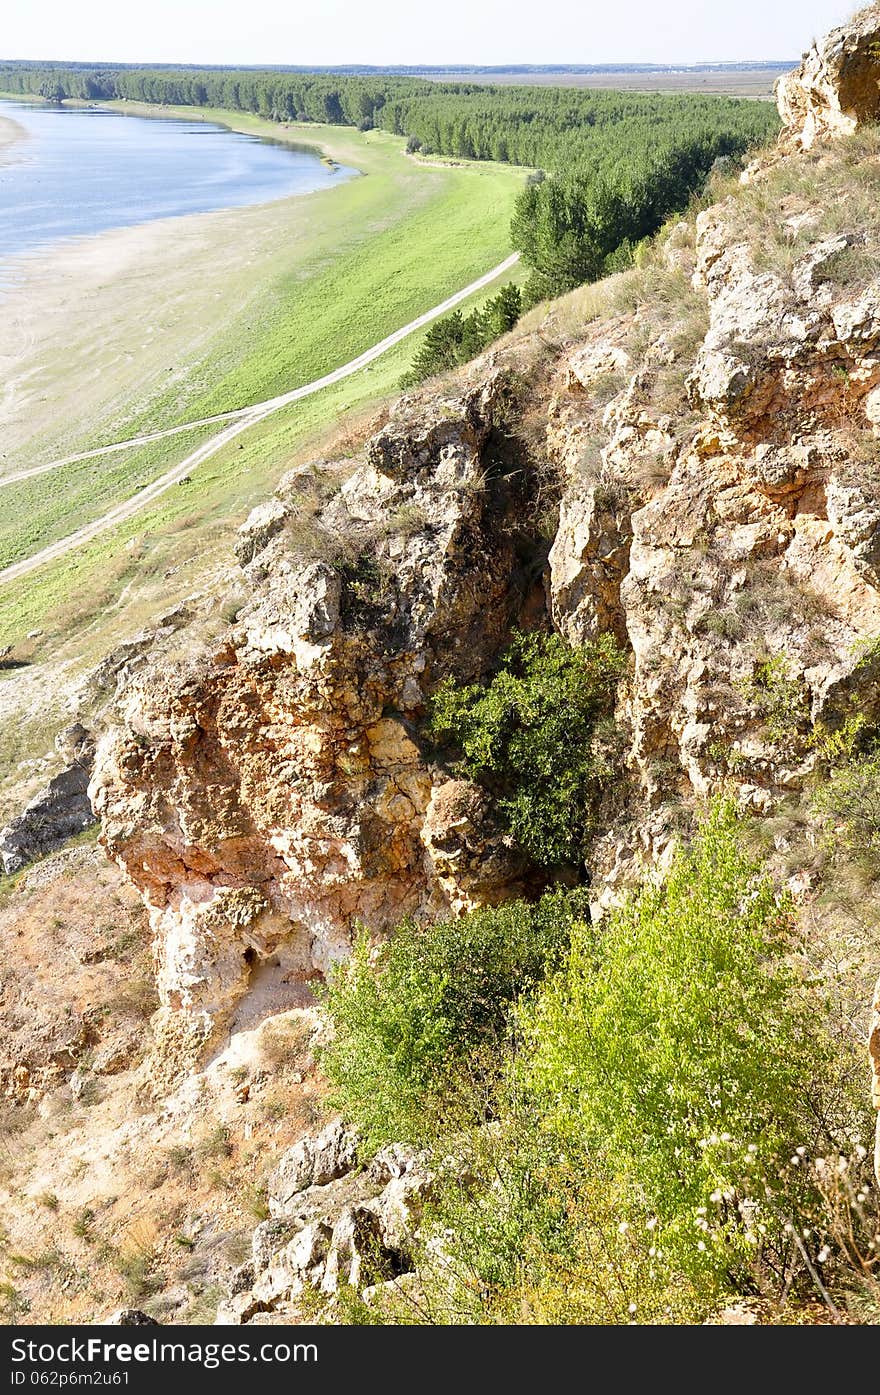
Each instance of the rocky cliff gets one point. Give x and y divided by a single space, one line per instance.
265 794
686 456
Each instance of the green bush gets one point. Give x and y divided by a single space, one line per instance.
432 1009
540 738
850 800
666 1129
686 1055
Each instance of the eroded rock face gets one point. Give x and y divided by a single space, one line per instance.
837 86
874 1054
266 794
716 456
470 855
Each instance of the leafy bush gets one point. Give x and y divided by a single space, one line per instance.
667 1128
435 1003
682 1053
539 737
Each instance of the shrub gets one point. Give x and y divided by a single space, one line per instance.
782 702
435 1005
539 738
681 1052
850 799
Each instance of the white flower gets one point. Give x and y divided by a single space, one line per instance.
701 1244
823 1254
631 1308
623 1228
716 1195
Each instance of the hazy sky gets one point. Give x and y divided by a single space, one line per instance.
414 31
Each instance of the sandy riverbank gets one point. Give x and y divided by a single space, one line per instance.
11 135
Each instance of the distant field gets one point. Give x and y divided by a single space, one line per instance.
253 302
756 83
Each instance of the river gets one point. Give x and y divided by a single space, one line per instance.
82 170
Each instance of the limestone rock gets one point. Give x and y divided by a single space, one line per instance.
588 561
266 793
837 86
356 1227
854 512
316 1160
358 1256
470 854
268 1238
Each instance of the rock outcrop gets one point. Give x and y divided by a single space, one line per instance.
713 450
58 812
266 794
837 86
334 1224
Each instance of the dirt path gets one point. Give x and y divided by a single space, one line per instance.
239 421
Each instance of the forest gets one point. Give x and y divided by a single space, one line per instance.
608 168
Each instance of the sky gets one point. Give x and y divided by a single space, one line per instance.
415 31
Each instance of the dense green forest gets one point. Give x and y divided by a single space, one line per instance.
611 166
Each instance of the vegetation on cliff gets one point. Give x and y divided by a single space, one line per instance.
540 736
676 1116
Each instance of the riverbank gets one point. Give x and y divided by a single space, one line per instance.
12 135
144 326
91 353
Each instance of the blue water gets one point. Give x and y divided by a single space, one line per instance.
83 170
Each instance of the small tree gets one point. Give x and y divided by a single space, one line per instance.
539 738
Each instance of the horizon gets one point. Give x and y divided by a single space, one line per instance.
462 65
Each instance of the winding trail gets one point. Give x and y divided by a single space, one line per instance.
239 420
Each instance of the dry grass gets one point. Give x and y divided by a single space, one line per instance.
800 202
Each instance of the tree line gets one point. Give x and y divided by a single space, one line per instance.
610 167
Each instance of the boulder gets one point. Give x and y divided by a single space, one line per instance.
130 1317
53 816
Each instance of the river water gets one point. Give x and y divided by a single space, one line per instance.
84 170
